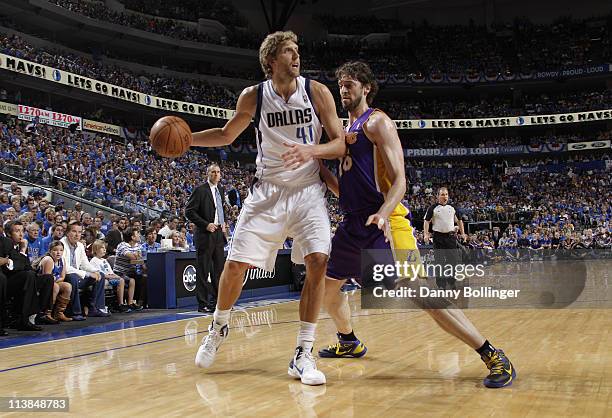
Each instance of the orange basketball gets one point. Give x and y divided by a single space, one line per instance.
170 136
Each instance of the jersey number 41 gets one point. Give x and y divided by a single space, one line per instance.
301 134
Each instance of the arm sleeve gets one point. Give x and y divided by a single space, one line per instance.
429 213
68 267
121 249
191 211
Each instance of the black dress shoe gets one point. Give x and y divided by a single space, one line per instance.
3 333
28 327
205 309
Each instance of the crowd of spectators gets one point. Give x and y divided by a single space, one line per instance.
202 92
535 104
558 190
234 35
421 49
413 51
424 50
189 90
135 180
191 10
539 209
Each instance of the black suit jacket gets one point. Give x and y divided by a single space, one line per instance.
20 262
201 210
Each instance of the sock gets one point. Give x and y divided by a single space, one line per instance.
486 350
32 318
221 318
347 337
306 335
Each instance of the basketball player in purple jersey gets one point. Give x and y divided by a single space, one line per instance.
370 187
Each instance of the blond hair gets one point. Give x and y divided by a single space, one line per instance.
269 49
97 245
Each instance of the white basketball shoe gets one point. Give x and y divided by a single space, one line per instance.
210 345
304 367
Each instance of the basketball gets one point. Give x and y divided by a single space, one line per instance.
170 136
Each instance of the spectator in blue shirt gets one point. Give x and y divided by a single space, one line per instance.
56 233
150 245
35 244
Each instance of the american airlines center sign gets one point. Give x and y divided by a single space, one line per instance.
254 278
255 273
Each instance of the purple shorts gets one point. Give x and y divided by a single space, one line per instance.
351 237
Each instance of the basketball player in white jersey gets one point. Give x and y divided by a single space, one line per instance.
286 109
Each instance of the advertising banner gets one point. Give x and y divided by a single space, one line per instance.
48 117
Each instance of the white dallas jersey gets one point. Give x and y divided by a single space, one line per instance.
278 123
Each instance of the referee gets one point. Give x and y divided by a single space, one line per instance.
442 218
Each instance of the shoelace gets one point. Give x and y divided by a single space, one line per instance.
496 364
209 341
309 359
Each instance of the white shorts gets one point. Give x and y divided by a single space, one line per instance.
270 214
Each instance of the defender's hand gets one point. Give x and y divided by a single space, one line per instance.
297 155
381 223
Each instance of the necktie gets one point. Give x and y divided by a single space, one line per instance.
219 205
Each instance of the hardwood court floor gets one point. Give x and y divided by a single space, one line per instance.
563 358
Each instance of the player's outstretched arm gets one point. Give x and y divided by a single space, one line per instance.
219 137
382 132
297 154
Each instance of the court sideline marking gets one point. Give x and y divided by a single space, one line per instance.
159 340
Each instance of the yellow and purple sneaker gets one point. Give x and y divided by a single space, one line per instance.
344 348
501 370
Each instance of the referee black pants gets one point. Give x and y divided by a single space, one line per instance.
447 254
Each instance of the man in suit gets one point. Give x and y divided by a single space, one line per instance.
32 291
205 210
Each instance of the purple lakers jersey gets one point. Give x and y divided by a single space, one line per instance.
363 178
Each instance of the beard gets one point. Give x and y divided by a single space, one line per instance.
352 105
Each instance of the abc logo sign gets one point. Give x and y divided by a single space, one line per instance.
189 278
